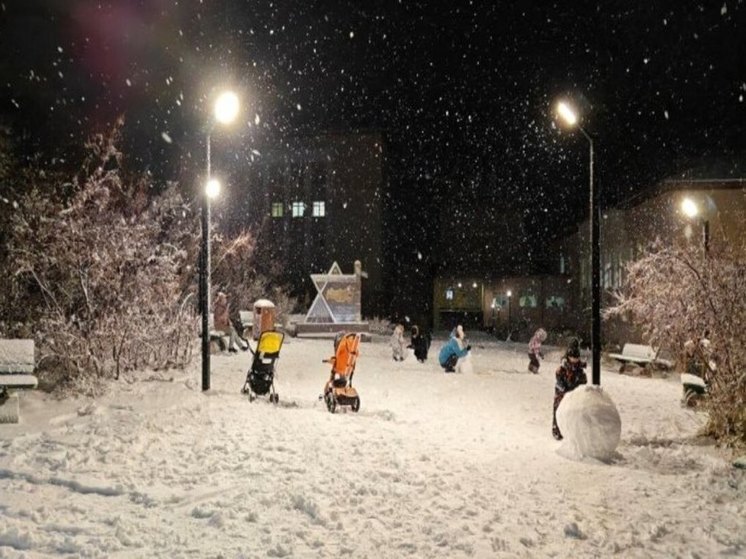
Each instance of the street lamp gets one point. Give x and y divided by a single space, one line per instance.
225 111
568 115
509 294
691 210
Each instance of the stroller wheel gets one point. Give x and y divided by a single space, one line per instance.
331 403
251 397
274 398
356 404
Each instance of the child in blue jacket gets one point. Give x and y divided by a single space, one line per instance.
453 350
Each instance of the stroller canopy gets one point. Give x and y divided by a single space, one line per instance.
270 342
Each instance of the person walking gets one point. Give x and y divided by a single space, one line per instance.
534 350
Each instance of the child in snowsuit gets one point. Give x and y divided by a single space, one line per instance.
453 350
397 343
420 343
534 349
569 376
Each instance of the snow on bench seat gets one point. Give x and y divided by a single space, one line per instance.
16 366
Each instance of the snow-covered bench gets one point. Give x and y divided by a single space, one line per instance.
247 323
639 354
694 388
16 373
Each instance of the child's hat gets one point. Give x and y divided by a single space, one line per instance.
573 350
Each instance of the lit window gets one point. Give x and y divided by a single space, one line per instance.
299 209
528 300
277 209
555 302
318 209
449 294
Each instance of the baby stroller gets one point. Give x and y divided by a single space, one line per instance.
260 379
338 390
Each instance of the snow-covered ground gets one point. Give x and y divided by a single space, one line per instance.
433 465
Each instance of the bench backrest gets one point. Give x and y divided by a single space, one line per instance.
638 351
247 318
16 356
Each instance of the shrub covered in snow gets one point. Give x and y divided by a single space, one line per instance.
98 267
676 295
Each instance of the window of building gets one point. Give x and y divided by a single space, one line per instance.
318 209
299 208
529 300
277 209
607 279
449 294
555 302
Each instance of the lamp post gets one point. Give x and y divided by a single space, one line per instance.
509 294
569 116
225 112
691 210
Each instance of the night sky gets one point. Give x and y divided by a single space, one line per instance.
462 91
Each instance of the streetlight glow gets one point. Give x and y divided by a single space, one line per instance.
212 188
509 293
689 207
567 113
226 107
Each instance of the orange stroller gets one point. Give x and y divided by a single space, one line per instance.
338 390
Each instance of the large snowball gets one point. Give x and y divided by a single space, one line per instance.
589 422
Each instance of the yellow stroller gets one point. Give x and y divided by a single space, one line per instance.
260 380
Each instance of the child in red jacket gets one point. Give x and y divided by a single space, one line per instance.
569 376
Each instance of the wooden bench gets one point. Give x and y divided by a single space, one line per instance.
16 373
639 354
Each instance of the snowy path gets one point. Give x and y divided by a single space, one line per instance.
434 465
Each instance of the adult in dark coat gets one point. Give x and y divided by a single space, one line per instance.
420 343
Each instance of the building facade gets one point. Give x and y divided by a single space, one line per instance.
626 232
562 299
317 201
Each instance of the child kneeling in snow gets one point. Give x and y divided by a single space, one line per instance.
453 350
569 376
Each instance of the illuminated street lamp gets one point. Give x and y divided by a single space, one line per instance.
509 294
225 111
691 210
569 116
